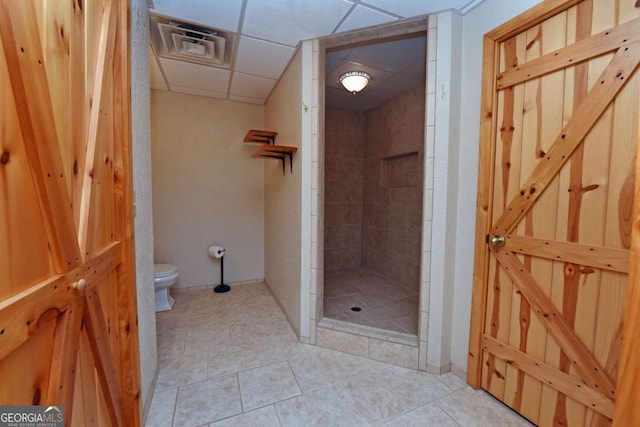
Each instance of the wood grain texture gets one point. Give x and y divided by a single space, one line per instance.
105 48
586 255
573 54
98 336
590 370
566 384
611 81
25 63
483 212
57 292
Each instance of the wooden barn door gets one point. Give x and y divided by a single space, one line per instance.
68 326
556 187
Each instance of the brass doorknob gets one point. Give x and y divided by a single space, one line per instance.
497 241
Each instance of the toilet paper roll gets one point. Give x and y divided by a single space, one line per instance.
216 251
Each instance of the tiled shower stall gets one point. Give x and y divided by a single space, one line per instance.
384 201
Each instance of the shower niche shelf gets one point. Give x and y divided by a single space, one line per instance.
268 148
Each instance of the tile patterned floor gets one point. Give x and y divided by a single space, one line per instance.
232 360
384 304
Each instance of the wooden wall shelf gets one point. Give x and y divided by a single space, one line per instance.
268 149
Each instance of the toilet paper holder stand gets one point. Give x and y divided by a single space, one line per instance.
218 252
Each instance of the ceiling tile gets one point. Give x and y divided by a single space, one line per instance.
408 8
362 17
195 76
262 58
221 14
289 21
251 86
248 99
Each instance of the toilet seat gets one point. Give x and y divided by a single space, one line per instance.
164 270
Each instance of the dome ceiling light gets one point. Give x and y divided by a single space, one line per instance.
355 81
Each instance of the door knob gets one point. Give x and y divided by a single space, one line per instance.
498 241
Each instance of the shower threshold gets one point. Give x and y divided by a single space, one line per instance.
369 331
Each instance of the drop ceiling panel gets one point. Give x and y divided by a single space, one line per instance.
222 14
288 22
362 17
262 58
407 8
195 76
251 86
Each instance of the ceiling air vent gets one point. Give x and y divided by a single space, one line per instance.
184 41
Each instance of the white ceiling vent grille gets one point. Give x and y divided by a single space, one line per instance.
184 41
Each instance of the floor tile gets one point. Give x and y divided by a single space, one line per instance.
267 385
263 417
476 408
429 415
211 338
220 354
383 395
183 370
161 409
231 360
329 367
207 401
319 408
452 381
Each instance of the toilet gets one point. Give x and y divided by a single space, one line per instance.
164 276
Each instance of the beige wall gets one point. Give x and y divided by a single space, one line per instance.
206 187
282 201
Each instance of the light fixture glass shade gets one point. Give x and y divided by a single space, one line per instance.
355 81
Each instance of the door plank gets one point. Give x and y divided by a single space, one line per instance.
123 191
64 361
604 42
106 45
573 387
77 97
25 62
23 309
483 211
99 342
529 18
613 78
586 255
582 359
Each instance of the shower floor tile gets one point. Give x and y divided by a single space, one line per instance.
383 304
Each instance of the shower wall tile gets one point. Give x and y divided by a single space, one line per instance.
431 109
432 39
396 354
393 184
422 356
344 342
431 82
431 137
343 188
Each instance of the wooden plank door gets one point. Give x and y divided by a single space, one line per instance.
68 326
556 188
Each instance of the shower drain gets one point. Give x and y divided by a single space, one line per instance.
356 309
